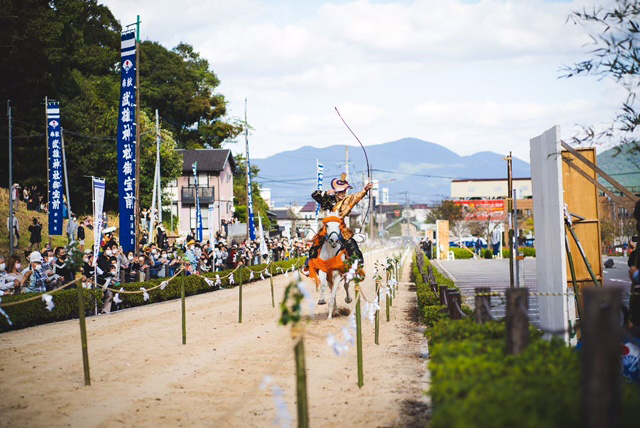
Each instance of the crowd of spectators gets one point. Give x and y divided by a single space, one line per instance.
47 269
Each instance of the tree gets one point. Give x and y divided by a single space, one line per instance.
181 86
616 43
446 210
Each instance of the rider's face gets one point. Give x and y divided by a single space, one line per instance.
341 195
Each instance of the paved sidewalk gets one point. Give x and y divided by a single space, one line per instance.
469 274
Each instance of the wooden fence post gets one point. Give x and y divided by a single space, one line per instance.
273 301
83 334
454 312
239 294
601 393
443 295
517 322
377 314
359 339
482 303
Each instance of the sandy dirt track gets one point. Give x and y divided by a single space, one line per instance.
143 376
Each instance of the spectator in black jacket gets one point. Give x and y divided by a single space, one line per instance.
81 236
36 235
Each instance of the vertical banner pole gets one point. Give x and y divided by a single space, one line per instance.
66 176
359 338
83 333
251 225
11 179
184 311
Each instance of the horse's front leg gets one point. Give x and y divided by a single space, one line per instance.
334 294
323 288
347 299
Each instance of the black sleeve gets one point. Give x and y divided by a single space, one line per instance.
325 200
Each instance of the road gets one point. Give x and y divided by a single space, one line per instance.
143 376
469 273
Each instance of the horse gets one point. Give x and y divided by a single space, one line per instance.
330 262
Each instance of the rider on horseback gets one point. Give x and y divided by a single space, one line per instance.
340 205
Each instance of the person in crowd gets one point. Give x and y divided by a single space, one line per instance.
81 236
72 228
6 285
15 195
16 231
87 268
203 267
60 266
232 256
161 236
53 279
190 254
35 239
191 236
25 194
14 274
105 220
220 256
34 280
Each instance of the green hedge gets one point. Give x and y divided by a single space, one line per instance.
475 384
526 251
66 301
461 253
428 301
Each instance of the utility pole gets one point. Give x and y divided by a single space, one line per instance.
158 167
246 141
10 182
509 160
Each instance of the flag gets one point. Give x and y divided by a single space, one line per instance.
320 172
198 209
55 168
127 142
251 224
263 243
211 224
98 205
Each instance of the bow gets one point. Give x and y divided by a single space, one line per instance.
368 166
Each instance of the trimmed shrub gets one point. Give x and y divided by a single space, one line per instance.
487 254
66 301
462 253
526 251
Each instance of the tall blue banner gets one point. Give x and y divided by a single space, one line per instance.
127 143
198 209
252 222
55 168
320 171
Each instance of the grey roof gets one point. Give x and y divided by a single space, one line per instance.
209 160
282 213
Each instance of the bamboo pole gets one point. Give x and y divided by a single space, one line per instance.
359 338
301 385
273 301
240 295
184 312
83 334
377 315
388 307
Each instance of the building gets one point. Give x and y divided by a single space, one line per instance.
215 186
486 198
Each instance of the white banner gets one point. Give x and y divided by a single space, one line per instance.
263 243
98 205
211 224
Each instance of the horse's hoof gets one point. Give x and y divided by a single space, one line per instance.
348 300
322 302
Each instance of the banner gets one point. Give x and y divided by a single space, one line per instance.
320 172
211 236
98 205
251 224
263 244
198 209
127 143
55 168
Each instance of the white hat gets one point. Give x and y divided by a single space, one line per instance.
35 257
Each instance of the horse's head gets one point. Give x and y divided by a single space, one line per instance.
334 232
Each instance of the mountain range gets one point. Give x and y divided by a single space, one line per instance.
422 169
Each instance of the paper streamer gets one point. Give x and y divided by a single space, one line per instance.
145 295
232 279
4 314
209 282
218 282
282 418
117 298
48 299
163 285
251 276
261 276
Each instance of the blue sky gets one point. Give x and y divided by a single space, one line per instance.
470 75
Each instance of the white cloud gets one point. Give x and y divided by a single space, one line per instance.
469 75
